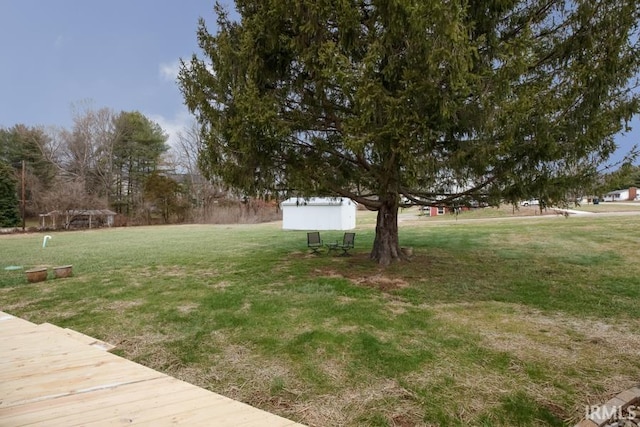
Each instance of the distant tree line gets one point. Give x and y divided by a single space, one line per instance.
120 161
622 178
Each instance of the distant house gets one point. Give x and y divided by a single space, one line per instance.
78 218
440 210
630 193
434 210
318 213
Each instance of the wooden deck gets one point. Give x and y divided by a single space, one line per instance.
51 376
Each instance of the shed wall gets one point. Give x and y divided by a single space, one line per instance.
319 217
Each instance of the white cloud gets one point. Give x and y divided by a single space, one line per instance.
169 71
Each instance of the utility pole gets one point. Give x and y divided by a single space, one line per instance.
23 198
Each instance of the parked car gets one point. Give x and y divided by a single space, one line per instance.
530 202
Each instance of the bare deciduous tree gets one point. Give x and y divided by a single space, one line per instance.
84 154
203 192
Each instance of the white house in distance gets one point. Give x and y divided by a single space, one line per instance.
318 213
622 195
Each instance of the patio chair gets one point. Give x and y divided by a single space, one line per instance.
347 243
314 242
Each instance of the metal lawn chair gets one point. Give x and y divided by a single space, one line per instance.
348 242
314 242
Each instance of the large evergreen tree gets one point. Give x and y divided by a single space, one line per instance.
9 209
441 102
136 152
24 143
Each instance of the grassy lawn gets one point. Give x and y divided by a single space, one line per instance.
493 323
503 211
509 211
609 207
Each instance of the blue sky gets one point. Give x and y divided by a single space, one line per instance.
118 54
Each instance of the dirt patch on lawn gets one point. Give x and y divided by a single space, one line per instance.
121 306
380 281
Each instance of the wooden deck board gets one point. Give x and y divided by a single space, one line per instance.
113 409
14 325
37 366
101 345
38 343
41 367
52 377
105 398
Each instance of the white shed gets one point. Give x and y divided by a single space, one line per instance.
318 213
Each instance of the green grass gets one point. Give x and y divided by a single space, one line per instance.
609 207
492 323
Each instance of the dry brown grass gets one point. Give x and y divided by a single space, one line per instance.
381 282
580 352
377 280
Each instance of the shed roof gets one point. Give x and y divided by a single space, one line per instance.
317 201
82 212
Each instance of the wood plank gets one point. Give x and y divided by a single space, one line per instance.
125 413
34 341
231 414
50 378
98 398
10 326
61 383
58 377
4 317
39 345
105 403
27 367
78 336
160 402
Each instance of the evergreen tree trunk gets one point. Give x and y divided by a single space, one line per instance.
386 247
